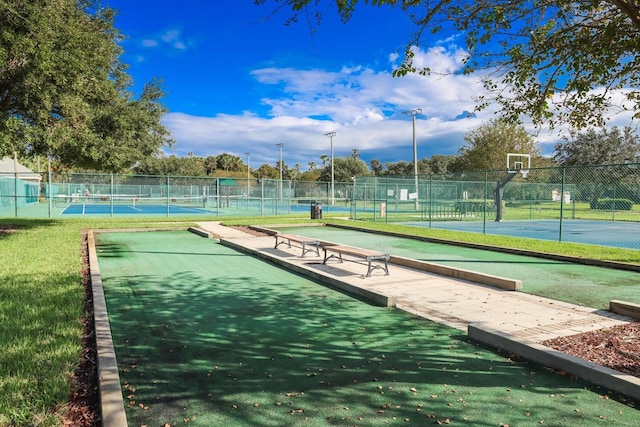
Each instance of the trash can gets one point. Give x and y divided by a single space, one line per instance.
316 210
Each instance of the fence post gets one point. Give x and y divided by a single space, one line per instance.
262 197
111 195
430 198
561 204
168 195
484 204
49 195
15 193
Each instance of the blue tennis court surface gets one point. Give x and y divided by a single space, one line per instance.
620 234
105 209
185 205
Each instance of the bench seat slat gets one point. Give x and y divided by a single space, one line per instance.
304 243
367 254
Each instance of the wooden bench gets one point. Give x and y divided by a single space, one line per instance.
368 255
307 244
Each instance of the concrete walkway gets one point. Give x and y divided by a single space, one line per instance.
512 319
457 303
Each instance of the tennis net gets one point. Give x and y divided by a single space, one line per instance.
131 200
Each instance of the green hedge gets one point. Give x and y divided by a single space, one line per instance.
612 204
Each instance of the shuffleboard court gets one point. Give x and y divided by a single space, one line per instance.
565 281
208 336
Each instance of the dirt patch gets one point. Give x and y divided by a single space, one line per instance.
83 408
249 230
9 228
617 347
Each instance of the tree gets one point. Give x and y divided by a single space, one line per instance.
440 163
311 175
210 165
552 61
400 168
324 159
171 165
376 167
312 165
229 163
592 147
487 146
345 168
267 171
65 94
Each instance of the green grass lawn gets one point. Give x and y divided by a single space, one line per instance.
41 302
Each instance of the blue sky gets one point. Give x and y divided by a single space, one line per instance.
238 80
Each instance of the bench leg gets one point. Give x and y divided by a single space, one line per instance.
327 258
288 242
305 249
373 267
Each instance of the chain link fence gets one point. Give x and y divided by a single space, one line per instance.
591 204
67 194
587 204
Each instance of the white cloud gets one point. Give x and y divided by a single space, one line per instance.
170 39
149 43
363 106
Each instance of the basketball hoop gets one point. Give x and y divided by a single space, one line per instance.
519 163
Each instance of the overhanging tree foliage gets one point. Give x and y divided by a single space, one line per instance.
64 92
556 61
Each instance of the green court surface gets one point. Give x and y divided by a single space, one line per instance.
565 281
206 336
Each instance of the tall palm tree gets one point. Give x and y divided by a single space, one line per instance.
324 159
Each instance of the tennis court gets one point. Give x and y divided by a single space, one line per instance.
620 234
188 205
129 205
208 336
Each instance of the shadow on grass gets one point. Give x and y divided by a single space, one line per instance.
38 338
236 341
10 225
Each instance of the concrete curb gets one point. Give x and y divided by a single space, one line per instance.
200 232
605 377
625 308
111 402
459 273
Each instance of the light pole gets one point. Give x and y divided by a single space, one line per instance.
280 145
248 175
331 135
413 113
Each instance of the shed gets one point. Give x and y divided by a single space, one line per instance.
9 167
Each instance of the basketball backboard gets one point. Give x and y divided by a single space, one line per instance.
519 163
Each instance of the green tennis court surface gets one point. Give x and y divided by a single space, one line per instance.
564 281
206 336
